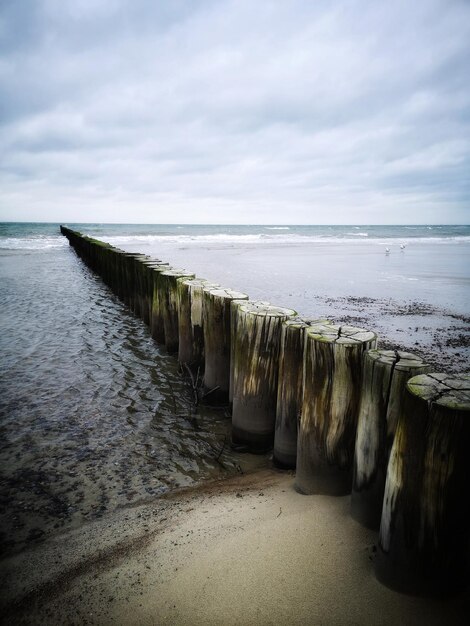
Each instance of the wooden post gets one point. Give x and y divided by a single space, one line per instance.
216 322
190 326
332 388
169 304
256 367
133 280
157 328
289 390
115 268
139 282
424 531
126 272
384 380
148 268
233 334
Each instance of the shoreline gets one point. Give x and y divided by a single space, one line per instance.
244 550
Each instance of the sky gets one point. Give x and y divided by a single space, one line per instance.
235 111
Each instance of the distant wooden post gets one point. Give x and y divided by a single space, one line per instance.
216 321
256 367
424 531
383 390
190 325
289 391
332 388
169 304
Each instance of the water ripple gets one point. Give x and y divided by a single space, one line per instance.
93 414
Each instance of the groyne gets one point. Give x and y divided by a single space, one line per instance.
348 416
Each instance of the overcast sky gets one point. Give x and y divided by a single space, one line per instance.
234 111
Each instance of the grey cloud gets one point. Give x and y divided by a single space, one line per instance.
357 106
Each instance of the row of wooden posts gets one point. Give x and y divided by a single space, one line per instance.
351 418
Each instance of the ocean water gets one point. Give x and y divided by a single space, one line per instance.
95 416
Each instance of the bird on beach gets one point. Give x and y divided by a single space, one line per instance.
402 246
387 250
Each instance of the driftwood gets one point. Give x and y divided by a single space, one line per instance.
190 325
385 375
332 387
255 374
217 345
424 531
289 392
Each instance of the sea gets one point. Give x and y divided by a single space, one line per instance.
95 416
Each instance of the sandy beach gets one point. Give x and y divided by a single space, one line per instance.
248 550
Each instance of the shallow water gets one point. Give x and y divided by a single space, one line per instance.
93 415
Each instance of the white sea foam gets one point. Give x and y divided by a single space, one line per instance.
179 239
282 239
32 243
277 227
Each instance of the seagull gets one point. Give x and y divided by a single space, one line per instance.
402 246
387 250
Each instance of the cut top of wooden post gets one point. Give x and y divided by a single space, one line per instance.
304 322
344 335
155 263
401 360
198 282
448 390
264 309
225 294
159 267
178 273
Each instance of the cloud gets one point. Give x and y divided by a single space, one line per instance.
234 111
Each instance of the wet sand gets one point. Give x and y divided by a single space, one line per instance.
248 550
417 299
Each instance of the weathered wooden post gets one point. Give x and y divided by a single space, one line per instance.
233 334
424 531
256 367
139 285
289 390
332 388
169 303
157 328
114 271
217 345
132 279
148 268
385 375
190 326
126 281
